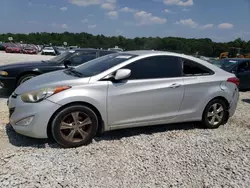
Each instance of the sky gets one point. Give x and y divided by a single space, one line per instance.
220 20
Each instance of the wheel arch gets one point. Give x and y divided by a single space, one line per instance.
223 99
27 72
92 107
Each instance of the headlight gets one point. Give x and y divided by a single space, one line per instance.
3 73
37 96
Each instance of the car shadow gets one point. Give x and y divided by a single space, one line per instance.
22 141
148 130
4 93
246 100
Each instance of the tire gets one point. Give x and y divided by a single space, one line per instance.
215 110
61 132
24 78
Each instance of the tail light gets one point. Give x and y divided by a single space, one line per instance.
234 80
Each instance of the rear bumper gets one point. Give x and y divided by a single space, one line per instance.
7 82
234 102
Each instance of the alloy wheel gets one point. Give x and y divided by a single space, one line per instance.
75 127
215 114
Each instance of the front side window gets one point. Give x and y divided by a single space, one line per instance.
191 68
155 67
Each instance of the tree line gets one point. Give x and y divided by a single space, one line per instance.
205 46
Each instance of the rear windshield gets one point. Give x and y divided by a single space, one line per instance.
225 63
102 64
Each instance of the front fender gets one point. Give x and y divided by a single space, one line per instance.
94 95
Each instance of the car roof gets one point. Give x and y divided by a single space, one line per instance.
152 52
91 49
146 53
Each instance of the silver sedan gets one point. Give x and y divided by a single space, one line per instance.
123 90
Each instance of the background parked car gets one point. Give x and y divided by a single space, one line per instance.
123 90
30 50
13 48
2 46
49 50
61 49
13 75
238 66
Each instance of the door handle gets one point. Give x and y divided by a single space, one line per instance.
175 85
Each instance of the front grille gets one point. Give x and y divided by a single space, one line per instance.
11 111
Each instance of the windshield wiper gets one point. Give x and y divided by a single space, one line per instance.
73 72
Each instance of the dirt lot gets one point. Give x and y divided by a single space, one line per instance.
183 155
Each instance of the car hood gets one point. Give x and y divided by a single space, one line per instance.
52 79
24 64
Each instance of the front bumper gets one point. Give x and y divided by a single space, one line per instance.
37 128
8 82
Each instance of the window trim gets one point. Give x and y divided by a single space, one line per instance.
211 72
158 55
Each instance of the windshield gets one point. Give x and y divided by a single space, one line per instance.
62 57
102 64
225 63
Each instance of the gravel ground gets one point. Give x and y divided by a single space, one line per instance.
182 155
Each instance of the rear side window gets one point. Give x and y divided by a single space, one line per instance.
155 67
191 68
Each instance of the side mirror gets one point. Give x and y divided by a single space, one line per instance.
122 74
67 63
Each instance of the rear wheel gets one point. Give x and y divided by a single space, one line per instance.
74 126
24 78
215 114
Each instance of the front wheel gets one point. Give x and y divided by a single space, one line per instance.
74 126
215 114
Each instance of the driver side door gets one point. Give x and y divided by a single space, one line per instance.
151 95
